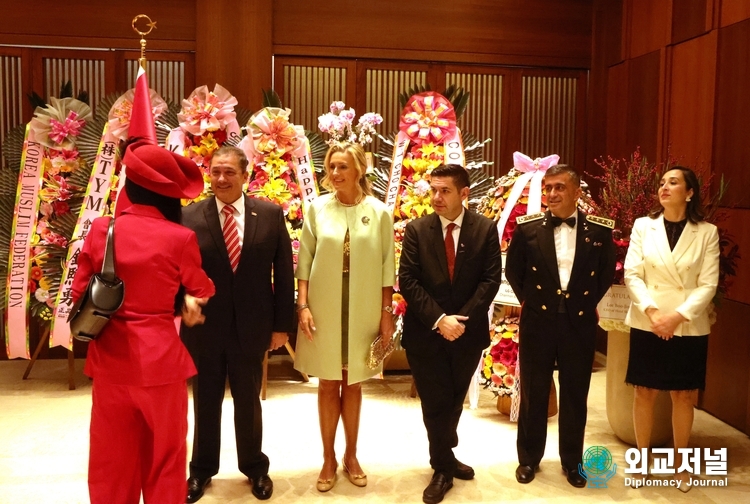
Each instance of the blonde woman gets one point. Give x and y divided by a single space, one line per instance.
346 272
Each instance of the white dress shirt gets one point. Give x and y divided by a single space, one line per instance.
565 250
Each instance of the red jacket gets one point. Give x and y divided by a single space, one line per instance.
140 345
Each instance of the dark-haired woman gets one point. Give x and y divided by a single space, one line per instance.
671 272
138 364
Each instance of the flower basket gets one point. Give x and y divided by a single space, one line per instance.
504 402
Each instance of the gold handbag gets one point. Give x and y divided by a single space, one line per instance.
378 353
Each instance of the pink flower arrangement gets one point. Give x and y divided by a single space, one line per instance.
206 110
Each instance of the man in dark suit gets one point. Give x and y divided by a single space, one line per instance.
559 264
247 253
449 273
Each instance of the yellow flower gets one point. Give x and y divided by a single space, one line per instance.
276 190
431 148
507 334
275 166
44 283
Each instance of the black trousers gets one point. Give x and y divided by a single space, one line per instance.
540 346
442 374
216 361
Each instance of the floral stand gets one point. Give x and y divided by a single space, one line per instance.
612 310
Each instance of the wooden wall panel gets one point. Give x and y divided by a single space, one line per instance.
548 120
531 32
734 11
691 115
91 23
483 116
648 26
727 373
240 33
617 111
736 223
688 19
11 92
643 105
731 145
607 41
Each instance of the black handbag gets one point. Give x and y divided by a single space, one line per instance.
102 298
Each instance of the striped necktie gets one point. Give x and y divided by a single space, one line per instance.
231 236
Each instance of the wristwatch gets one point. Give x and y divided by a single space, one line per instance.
388 309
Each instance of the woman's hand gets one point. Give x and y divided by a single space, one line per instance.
387 328
306 322
664 324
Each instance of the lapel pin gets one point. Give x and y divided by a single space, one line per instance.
366 220
254 214
597 244
587 239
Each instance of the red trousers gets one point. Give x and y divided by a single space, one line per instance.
138 444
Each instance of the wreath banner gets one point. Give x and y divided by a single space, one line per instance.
394 179
454 149
23 231
94 205
303 164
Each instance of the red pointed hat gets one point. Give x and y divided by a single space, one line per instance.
162 171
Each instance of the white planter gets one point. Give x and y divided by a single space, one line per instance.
620 396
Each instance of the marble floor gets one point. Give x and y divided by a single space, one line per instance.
44 429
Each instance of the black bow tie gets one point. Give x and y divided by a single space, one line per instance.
557 221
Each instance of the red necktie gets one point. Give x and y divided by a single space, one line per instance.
231 236
450 249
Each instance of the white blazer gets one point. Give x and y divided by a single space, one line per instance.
683 280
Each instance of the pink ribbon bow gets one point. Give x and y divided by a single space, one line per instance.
533 171
60 131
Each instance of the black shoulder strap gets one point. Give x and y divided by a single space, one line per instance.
108 266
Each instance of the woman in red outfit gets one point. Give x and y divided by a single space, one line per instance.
138 364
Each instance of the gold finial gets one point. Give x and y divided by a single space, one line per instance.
151 25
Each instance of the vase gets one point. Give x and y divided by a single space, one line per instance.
620 396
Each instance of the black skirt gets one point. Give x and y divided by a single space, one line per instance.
678 363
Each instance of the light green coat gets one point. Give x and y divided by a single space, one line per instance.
371 267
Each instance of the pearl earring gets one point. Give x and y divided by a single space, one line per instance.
687 199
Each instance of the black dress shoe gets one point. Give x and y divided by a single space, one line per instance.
574 477
195 488
463 472
525 474
436 490
262 487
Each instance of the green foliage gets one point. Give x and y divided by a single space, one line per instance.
271 99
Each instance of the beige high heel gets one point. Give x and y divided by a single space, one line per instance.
323 485
359 480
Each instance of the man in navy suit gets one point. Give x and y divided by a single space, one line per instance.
449 273
560 264
252 311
